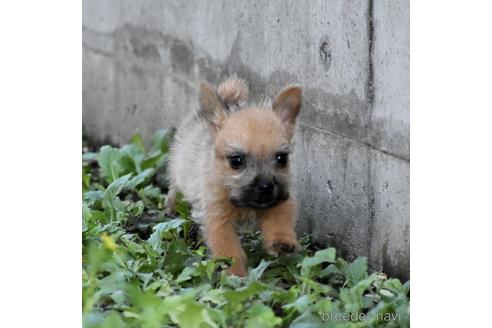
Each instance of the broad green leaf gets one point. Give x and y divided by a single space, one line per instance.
262 316
110 201
93 319
131 159
86 181
111 284
182 207
176 255
352 300
194 315
310 264
352 297
140 178
356 271
325 255
186 274
331 270
395 285
93 195
161 229
256 273
133 246
153 160
152 192
301 304
109 161
235 297
159 141
86 215
308 320
138 142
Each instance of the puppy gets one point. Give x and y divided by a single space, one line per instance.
231 163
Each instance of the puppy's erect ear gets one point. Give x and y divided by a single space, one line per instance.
233 93
287 105
211 107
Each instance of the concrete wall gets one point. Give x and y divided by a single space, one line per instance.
143 62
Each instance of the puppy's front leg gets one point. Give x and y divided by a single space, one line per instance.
278 228
223 241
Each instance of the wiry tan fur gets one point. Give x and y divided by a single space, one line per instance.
200 170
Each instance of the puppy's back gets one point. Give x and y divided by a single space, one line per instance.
188 157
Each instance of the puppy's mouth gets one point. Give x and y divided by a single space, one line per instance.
259 202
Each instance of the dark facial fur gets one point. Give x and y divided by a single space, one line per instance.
263 182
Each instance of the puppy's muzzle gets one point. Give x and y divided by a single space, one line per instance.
262 193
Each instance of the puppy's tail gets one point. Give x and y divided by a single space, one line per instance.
233 93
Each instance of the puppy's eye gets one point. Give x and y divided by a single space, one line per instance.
237 161
282 159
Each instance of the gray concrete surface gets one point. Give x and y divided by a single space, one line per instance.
143 62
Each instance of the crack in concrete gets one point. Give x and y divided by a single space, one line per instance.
325 130
370 99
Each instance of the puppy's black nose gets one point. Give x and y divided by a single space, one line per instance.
265 186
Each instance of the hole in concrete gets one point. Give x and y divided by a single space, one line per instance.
325 52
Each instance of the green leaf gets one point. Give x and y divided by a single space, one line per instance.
86 214
93 195
194 315
256 273
186 274
133 246
176 255
109 161
152 192
308 320
140 178
352 297
310 264
356 271
262 316
86 182
160 142
325 255
153 160
131 159
301 304
395 285
147 308
110 201
138 142
235 297
331 270
352 301
182 207
161 229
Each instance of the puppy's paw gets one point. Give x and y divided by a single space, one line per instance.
237 270
282 246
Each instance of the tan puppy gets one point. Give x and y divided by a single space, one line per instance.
231 163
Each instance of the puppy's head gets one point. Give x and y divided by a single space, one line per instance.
252 144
